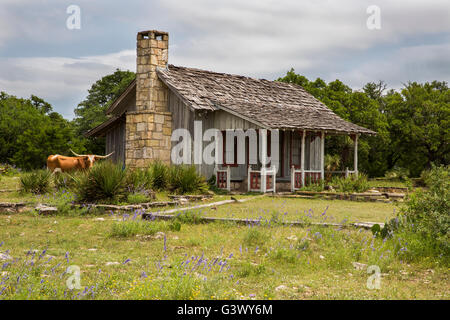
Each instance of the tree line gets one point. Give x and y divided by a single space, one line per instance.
412 124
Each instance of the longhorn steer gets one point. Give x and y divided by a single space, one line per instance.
80 162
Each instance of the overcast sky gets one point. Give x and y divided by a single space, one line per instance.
40 55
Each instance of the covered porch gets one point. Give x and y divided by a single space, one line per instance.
301 161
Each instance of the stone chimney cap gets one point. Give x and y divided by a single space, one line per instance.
151 34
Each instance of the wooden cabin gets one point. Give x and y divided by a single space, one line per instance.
164 98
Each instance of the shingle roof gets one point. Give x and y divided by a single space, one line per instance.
274 104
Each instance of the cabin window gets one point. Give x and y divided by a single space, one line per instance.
234 161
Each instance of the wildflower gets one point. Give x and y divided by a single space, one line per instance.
126 261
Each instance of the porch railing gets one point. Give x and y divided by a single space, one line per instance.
343 173
263 180
300 178
223 177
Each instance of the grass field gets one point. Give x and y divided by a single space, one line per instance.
121 256
258 262
293 209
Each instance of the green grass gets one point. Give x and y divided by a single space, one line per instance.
10 182
387 183
311 263
55 197
292 209
122 257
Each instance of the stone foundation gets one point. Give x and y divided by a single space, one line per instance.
148 138
242 186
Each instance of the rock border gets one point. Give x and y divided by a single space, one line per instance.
12 207
366 196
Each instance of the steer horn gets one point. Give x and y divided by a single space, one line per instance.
78 155
104 157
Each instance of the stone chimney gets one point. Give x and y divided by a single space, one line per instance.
149 127
152 52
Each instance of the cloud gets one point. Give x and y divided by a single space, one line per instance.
264 39
60 79
414 63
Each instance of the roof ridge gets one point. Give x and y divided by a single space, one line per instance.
231 75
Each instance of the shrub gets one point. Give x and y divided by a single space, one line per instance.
105 181
185 179
427 212
37 182
313 186
159 173
424 178
351 183
8 169
397 173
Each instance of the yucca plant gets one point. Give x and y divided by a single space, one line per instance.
185 179
65 180
332 163
37 181
361 183
159 173
106 181
139 180
351 183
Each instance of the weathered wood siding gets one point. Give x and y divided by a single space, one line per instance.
115 142
184 117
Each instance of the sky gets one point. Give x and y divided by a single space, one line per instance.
350 40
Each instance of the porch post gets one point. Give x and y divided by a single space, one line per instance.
322 155
292 178
228 178
302 160
248 178
355 160
263 180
